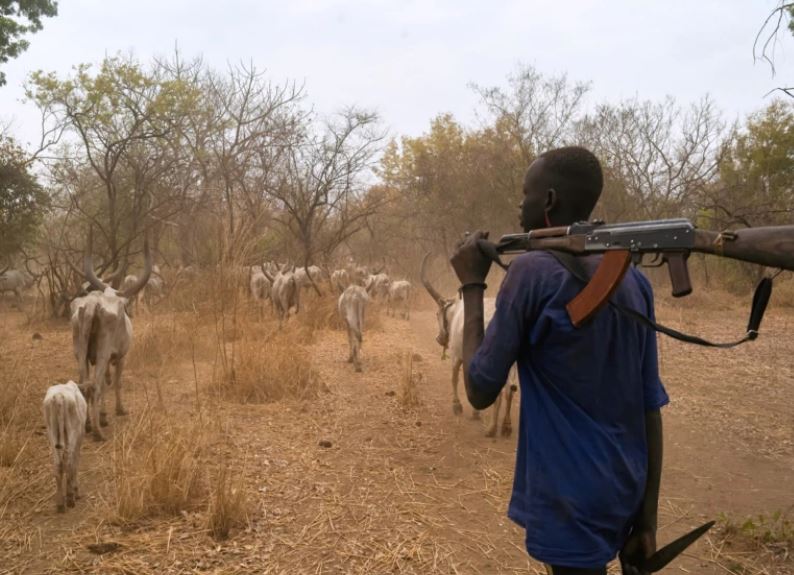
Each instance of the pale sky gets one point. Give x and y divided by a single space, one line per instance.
411 60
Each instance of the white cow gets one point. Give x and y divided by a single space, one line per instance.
302 277
378 286
352 305
399 294
258 284
285 293
102 336
358 275
15 281
65 414
450 319
154 290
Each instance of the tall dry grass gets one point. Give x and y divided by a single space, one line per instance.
319 313
274 367
157 469
168 338
228 503
410 381
24 459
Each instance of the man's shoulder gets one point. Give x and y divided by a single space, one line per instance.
535 272
535 261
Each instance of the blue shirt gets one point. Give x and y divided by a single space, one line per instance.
582 457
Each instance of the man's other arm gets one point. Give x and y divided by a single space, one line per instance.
473 331
655 441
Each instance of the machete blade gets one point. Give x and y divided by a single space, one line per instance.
663 556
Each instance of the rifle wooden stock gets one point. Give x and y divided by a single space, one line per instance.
769 246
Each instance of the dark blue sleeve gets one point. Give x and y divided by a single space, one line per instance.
505 333
653 389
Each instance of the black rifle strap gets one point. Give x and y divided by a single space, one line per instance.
760 300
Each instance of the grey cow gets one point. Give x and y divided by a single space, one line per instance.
352 306
102 336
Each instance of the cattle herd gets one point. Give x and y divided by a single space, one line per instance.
101 323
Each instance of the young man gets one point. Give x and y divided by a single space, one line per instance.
589 455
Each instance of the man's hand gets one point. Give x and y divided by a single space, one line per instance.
640 545
470 264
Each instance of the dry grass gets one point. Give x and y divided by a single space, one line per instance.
318 313
765 533
269 369
17 398
783 293
410 379
228 506
156 468
161 339
12 446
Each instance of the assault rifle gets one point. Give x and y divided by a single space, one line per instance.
667 241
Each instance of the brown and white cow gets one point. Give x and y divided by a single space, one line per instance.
450 337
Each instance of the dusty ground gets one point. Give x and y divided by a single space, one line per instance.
400 490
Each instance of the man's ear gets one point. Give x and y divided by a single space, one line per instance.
551 199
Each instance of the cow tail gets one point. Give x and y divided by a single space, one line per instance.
57 425
88 316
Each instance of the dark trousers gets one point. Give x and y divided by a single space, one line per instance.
557 570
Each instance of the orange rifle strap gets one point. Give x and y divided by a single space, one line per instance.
603 284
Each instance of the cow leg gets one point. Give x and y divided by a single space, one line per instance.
117 385
494 416
103 414
356 351
99 399
58 472
457 408
507 424
84 371
350 338
75 467
69 472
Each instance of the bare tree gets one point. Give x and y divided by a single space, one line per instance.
118 119
662 156
539 112
318 190
253 125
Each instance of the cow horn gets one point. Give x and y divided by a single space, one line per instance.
88 264
425 282
147 271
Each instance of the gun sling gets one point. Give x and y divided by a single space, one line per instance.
760 300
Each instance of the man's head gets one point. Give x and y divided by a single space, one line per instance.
561 187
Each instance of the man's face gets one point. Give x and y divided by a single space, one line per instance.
536 193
